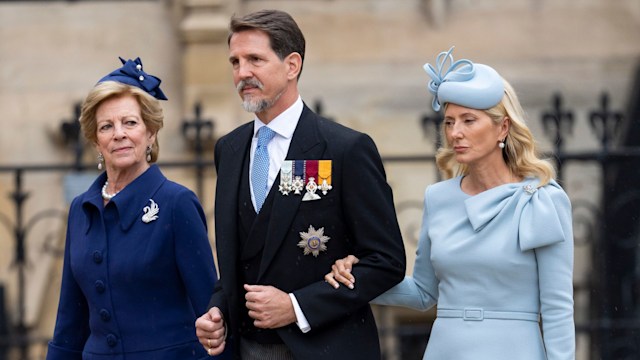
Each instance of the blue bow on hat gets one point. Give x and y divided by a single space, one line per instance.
131 73
475 86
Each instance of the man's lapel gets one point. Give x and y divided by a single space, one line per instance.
306 144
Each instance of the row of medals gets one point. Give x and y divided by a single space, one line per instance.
295 184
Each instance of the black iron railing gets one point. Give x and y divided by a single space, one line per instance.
18 337
607 223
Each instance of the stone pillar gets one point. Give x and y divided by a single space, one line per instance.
206 75
435 10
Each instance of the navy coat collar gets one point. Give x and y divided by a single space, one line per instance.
131 200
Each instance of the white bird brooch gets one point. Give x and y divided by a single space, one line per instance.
150 212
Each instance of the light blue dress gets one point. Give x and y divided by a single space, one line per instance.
493 263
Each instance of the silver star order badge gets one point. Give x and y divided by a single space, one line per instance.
313 241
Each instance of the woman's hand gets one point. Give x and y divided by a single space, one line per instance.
341 272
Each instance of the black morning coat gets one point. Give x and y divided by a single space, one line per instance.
358 215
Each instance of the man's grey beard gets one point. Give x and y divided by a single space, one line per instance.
257 105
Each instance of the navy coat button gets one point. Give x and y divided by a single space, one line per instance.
105 315
97 257
100 287
112 340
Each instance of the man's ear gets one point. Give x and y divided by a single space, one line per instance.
294 64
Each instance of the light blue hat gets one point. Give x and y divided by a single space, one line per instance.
464 83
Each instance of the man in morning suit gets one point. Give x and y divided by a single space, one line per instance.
294 193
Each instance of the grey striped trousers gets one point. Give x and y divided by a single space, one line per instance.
251 350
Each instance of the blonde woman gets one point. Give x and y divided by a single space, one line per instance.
496 245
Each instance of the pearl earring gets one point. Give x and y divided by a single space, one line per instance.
100 161
149 153
501 144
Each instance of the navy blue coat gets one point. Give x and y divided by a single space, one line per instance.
133 289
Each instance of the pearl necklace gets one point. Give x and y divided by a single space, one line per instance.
105 194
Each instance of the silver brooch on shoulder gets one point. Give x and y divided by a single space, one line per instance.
313 241
529 189
150 212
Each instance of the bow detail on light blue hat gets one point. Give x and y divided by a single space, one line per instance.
536 221
464 73
462 82
131 73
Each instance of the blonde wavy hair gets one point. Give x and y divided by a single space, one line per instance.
150 109
520 152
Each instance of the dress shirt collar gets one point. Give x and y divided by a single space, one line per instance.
283 124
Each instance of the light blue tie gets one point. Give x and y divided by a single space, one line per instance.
260 170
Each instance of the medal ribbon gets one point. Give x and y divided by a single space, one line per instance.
285 172
286 167
311 170
298 169
324 171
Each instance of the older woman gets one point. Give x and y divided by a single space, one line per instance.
138 265
496 245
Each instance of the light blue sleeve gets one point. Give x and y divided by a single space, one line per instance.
419 291
555 272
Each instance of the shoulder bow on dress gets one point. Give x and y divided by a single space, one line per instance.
536 221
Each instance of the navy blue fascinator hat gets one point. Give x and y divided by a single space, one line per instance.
131 73
464 83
